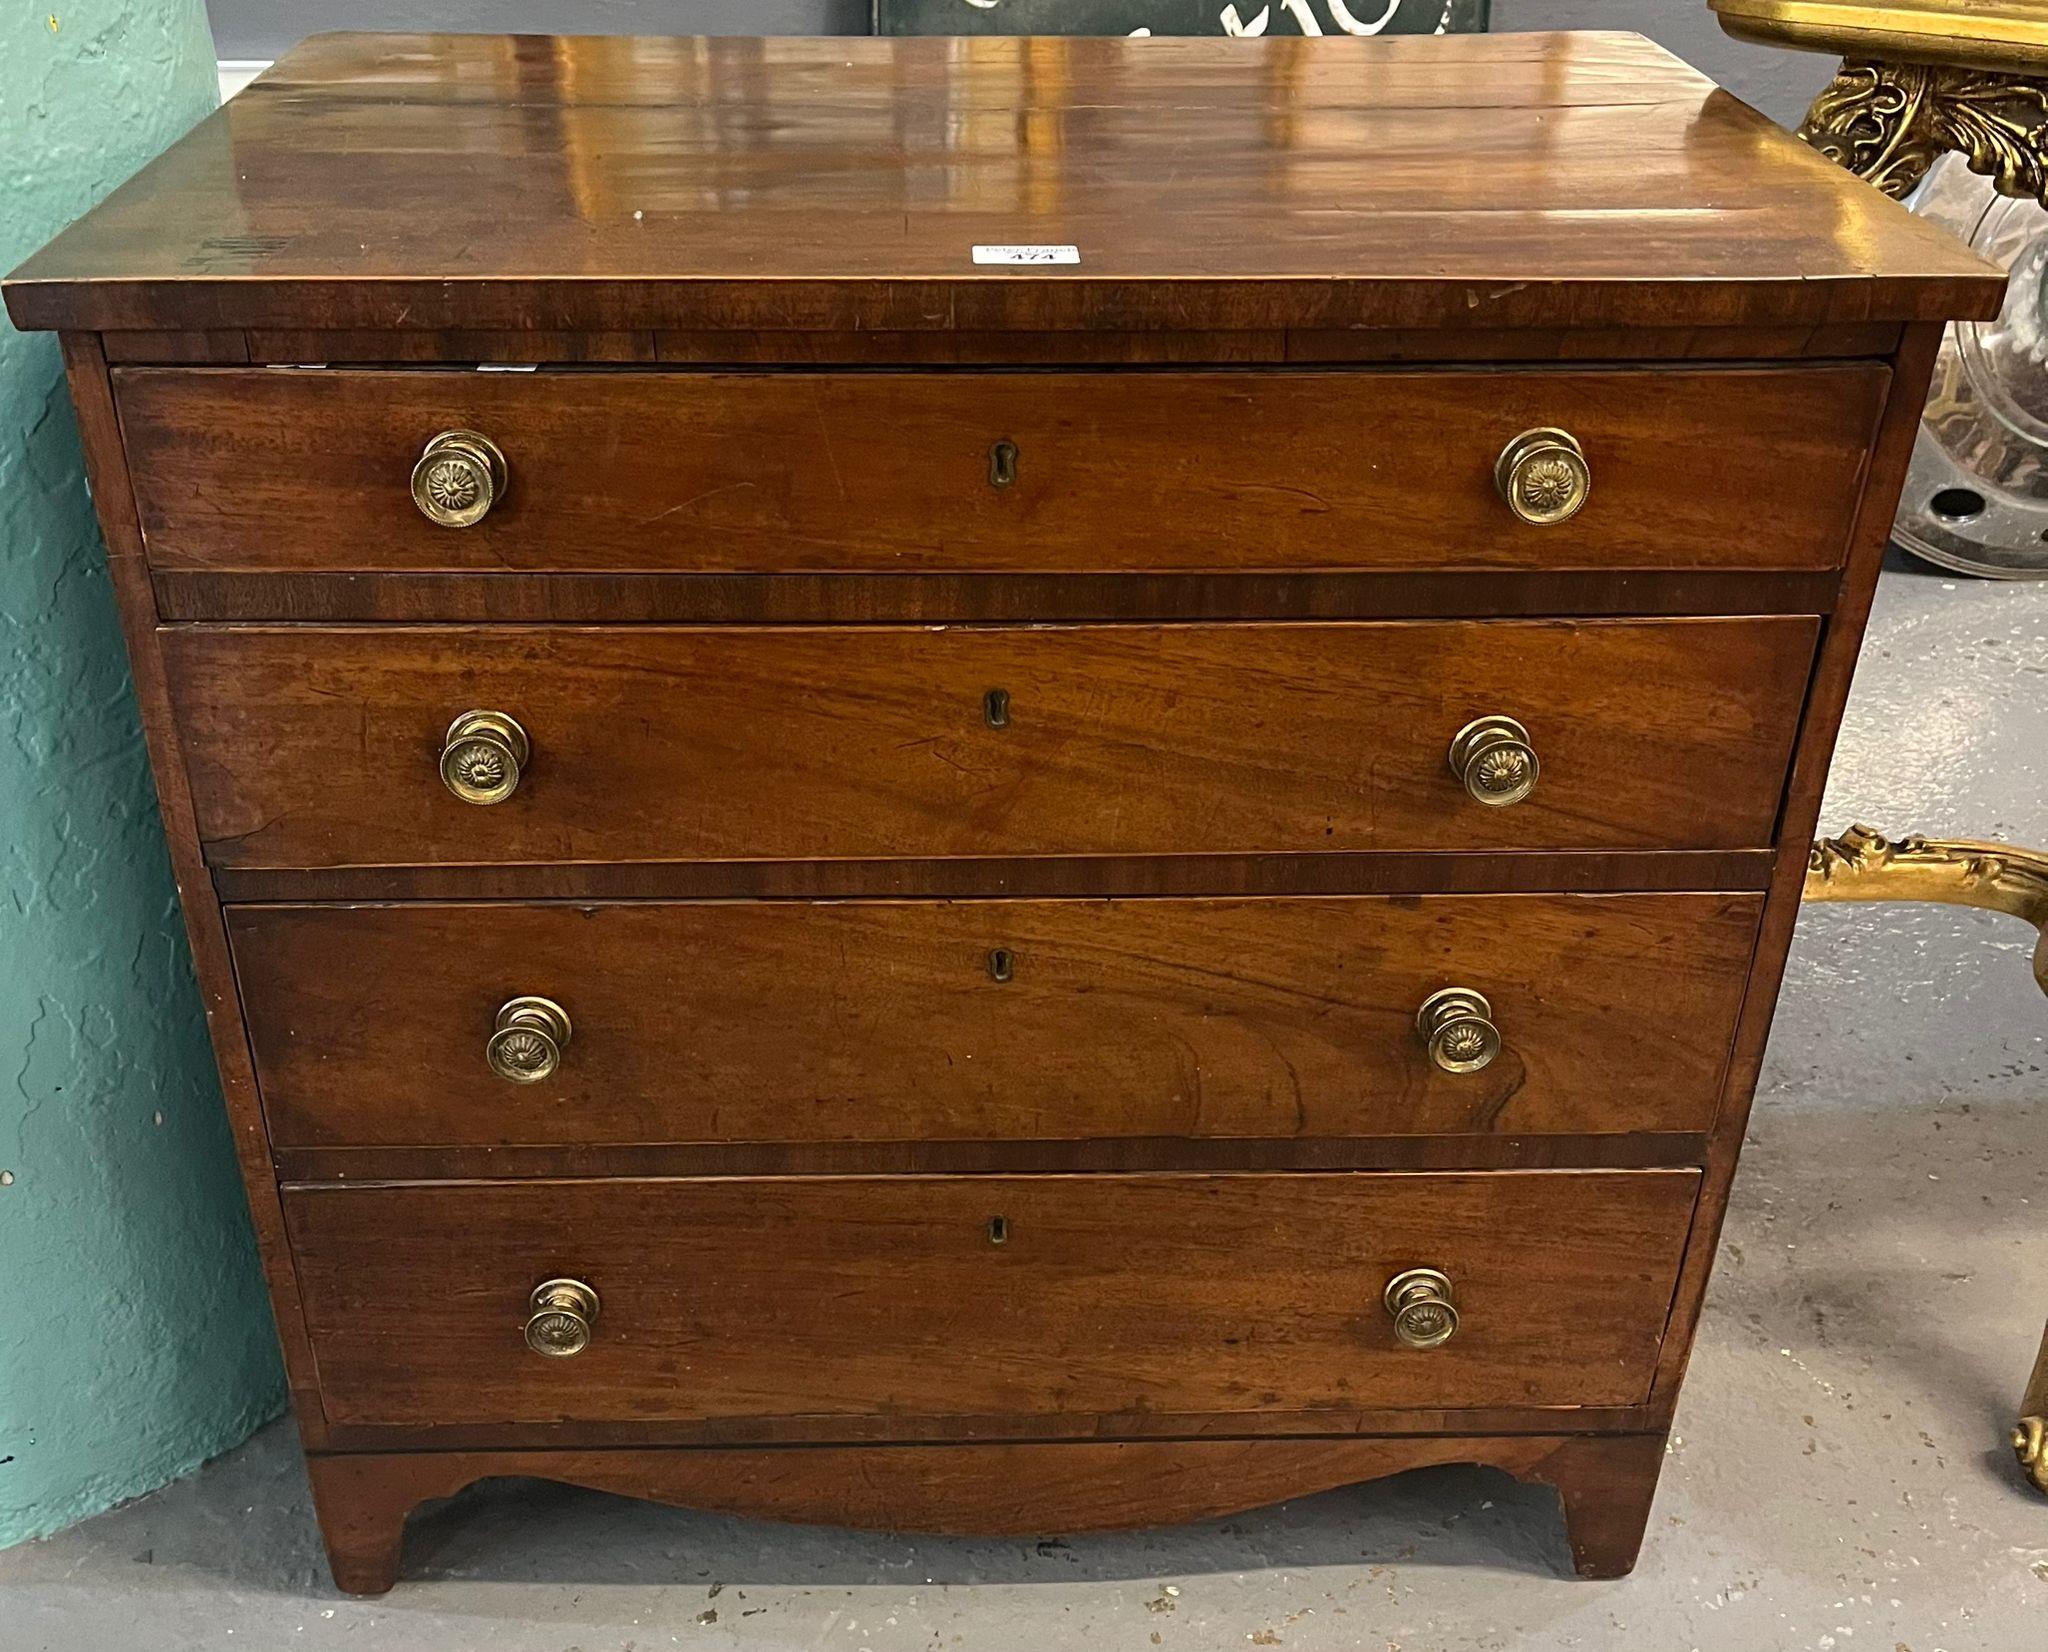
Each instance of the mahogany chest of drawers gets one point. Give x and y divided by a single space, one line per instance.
1000 785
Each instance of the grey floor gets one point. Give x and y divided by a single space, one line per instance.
1838 1479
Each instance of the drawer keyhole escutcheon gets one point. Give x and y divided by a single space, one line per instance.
1002 964
1543 476
995 706
999 1230
459 477
529 1039
1002 464
1494 761
1425 1316
1456 1027
482 755
559 1317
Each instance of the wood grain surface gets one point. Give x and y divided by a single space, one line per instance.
605 184
724 347
106 470
974 598
899 1428
1606 1485
318 747
1635 1150
883 1022
258 470
1820 724
1065 877
872 1297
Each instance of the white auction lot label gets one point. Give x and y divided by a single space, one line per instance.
1027 255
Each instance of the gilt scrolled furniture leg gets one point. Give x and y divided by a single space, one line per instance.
1919 78
2030 1437
1863 865
1887 122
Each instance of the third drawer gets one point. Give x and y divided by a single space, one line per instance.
315 747
878 1021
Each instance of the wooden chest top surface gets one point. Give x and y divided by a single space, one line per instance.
1548 180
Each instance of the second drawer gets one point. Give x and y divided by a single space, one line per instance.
319 747
991 1020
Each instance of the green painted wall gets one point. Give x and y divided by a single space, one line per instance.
134 1338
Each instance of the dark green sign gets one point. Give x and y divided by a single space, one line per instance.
1248 17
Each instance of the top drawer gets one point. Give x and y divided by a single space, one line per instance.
262 469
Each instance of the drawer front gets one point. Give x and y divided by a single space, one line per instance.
996 1020
898 472
311 747
868 1297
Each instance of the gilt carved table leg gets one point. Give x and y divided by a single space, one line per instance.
1862 865
2030 1437
1886 122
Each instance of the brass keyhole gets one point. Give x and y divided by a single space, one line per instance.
1001 964
995 706
1002 464
998 1230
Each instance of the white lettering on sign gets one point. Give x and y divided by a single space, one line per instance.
1027 255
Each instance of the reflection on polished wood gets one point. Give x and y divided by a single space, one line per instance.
1863 865
1919 78
1211 185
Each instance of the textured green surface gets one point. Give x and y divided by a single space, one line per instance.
134 1338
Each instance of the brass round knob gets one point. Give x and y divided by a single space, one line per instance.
1544 477
459 477
1494 762
481 756
1456 1026
1424 1314
559 1316
527 1043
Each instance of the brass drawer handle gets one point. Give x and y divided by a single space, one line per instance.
1425 1316
459 477
1456 1026
481 756
559 1316
1544 477
527 1045
1494 762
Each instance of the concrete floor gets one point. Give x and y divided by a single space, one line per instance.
1838 1481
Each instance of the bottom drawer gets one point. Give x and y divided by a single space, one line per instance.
986 1296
